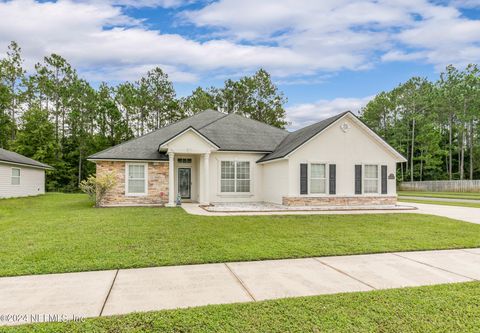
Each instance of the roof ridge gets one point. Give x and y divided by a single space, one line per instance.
261 122
223 116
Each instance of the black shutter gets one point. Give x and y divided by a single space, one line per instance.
384 179
332 179
303 178
358 179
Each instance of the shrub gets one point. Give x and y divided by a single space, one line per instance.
98 187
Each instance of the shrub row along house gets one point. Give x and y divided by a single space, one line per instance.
214 157
20 176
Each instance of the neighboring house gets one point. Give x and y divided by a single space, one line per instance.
20 176
215 157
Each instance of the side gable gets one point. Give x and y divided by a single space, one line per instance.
301 137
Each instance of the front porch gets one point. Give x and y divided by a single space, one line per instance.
188 178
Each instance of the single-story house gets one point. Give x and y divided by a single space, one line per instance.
20 176
214 157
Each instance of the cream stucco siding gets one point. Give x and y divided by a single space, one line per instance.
255 177
32 181
345 148
275 181
189 142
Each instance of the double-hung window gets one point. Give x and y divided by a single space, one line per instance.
137 179
15 180
235 176
318 178
370 184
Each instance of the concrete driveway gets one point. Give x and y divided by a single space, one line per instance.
467 214
74 296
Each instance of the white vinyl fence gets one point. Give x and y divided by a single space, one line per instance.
442 186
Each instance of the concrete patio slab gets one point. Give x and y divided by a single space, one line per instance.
457 261
173 287
386 270
53 297
293 277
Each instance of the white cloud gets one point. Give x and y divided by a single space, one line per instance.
302 115
289 38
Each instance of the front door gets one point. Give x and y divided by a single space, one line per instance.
185 182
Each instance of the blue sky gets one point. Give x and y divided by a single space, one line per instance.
326 56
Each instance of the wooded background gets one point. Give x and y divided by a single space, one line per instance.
54 116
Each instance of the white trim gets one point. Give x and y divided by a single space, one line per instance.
309 187
145 171
164 145
378 180
26 165
124 160
234 194
366 129
19 176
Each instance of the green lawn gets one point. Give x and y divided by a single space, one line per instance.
444 203
442 308
63 233
448 195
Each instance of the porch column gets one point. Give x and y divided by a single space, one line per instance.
171 180
206 179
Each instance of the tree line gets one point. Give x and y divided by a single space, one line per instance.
56 117
435 125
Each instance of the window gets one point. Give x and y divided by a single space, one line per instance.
318 178
184 160
370 184
235 177
136 179
15 176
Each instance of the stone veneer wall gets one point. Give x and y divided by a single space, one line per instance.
339 201
157 184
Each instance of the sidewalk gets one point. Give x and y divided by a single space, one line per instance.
102 293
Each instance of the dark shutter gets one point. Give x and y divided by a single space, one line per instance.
358 179
384 179
303 178
332 179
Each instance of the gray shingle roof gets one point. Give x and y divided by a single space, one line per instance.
146 147
237 133
12 157
228 131
299 137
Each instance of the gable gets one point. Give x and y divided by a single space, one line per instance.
189 141
347 138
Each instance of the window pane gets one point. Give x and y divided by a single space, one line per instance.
243 185
371 171
15 172
228 170
15 180
227 185
136 171
318 171
136 186
243 170
371 186
317 186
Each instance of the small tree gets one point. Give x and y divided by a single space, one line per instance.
97 187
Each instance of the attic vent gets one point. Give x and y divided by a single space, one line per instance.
184 160
345 127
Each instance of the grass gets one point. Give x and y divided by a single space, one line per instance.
444 203
447 195
63 233
441 308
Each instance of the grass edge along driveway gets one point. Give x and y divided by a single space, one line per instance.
440 308
58 233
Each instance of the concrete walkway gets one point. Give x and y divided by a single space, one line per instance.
57 297
475 201
467 214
